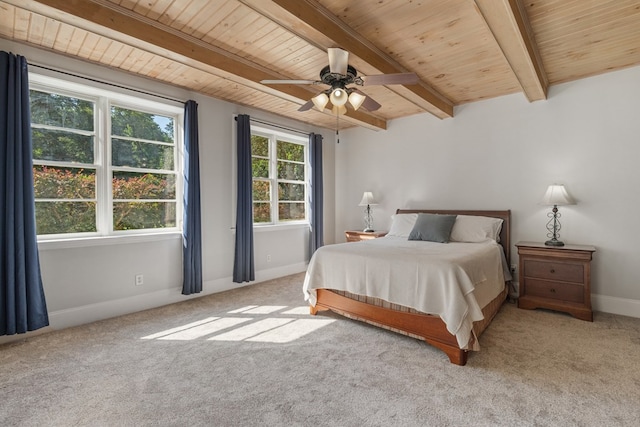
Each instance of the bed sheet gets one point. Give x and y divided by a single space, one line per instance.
452 280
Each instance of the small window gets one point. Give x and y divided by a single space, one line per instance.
279 167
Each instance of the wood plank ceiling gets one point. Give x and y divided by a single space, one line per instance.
462 50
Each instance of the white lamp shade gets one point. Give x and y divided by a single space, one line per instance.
339 110
320 101
339 97
367 199
356 99
557 195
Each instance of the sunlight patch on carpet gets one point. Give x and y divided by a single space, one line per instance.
274 324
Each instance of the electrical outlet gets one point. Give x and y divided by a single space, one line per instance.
513 269
269 258
139 279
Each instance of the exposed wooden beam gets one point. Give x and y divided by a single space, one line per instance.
115 21
510 26
318 17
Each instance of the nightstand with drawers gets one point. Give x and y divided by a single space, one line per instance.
357 236
556 278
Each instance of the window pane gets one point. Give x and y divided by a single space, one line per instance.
261 212
141 155
290 211
140 215
259 146
291 171
290 151
62 146
62 111
260 168
136 124
261 191
133 185
290 191
65 217
64 183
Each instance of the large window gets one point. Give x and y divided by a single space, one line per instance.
104 163
279 165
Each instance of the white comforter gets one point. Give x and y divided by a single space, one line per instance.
434 278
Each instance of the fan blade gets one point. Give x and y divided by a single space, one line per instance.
290 82
306 106
391 79
369 104
338 60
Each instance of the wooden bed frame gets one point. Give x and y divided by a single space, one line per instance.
424 326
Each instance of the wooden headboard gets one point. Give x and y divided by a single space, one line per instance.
505 233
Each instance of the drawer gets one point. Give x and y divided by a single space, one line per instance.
565 272
560 291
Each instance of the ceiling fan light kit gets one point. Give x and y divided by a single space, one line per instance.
338 97
338 74
320 101
356 100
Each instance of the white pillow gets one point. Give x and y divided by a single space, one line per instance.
402 224
476 229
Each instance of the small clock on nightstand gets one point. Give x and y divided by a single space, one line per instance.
357 236
556 278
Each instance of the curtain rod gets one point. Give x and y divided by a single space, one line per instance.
276 126
106 83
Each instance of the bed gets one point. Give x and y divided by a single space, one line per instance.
372 281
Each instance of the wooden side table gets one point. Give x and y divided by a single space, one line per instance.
556 278
357 236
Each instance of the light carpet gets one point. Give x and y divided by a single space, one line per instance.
254 356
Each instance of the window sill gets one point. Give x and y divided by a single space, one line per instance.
83 242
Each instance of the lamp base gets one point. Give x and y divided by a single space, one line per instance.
553 242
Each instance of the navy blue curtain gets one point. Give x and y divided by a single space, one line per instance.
243 265
316 203
22 303
192 218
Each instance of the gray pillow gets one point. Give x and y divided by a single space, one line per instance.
433 227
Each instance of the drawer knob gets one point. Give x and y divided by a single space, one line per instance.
552 270
553 291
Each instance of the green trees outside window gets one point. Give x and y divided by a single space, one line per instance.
70 166
279 178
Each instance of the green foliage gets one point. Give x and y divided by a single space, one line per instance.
140 215
145 141
62 146
65 217
136 124
261 212
290 151
63 183
259 146
61 111
133 185
290 211
290 167
78 216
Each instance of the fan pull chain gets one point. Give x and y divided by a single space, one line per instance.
337 128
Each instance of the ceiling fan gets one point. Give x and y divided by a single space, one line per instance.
339 74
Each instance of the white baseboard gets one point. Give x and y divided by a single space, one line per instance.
615 305
76 316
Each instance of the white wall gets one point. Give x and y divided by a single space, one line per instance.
85 283
502 154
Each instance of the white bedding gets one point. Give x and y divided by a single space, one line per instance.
452 280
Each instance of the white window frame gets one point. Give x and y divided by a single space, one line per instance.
273 133
273 136
103 100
